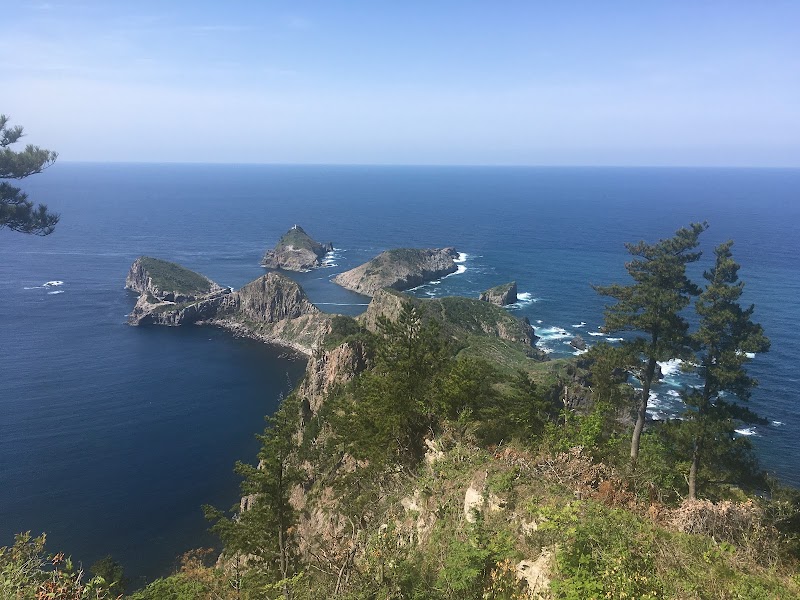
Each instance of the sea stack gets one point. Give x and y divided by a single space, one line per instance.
501 295
399 269
296 251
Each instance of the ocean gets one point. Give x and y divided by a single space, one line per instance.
112 437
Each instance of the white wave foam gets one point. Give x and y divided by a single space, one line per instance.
35 287
614 339
746 431
777 423
539 321
462 257
750 354
459 270
524 299
581 324
551 333
579 352
597 333
52 283
674 393
670 367
56 292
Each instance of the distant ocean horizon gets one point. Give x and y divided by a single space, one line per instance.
112 437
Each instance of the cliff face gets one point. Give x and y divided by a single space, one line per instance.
273 308
167 281
270 298
276 310
171 294
399 269
501 295
329 367
296 251
151 311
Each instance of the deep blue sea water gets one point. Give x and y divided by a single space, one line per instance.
112 437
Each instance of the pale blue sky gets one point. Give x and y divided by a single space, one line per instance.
412 82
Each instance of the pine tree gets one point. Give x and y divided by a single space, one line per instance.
396 401
725 338
652 305
16 211
263 529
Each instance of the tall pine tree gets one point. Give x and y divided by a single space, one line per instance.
652 305
726 338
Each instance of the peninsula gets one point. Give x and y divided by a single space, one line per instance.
399 269
296 251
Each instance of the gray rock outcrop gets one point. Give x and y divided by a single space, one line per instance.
578 343
399 269
296 251
501 295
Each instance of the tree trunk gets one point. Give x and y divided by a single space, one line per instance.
647 381
693 469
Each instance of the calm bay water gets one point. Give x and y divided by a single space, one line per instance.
112 437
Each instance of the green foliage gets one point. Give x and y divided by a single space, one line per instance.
16 211
170 277
347 329
175 587
606 554
263 530
112 573
299 239
725 338
394 404
27 572
652 305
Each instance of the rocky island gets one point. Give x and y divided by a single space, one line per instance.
273 308
399 269
501 295
296 251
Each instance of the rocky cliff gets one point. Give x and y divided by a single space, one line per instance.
170 294
296 251
276 310
167 281
273 308
327 368
399 269
501 295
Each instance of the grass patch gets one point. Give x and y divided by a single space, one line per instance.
170 277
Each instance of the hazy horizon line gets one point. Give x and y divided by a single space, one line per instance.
430 165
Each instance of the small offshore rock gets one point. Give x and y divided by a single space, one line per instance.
501 295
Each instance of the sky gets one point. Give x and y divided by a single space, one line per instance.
677 83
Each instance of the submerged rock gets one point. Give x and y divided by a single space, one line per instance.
296 251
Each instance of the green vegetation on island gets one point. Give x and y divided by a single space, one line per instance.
296 251
171 277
